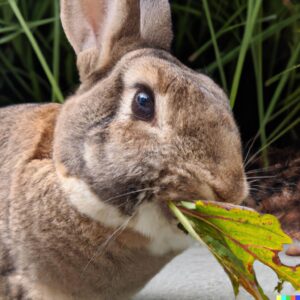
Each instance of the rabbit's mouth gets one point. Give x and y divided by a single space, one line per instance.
126 196
166 211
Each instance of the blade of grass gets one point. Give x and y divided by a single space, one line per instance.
31 25
56 48
7 15
36 49
10 83
278 136
257 57
10 68
281 85
274 53
185 8
215 44
251 18
225 28
286 107
9 37
264 35
283 132
286 121
182 27
278 76
40 8
292 96
9 28
30 66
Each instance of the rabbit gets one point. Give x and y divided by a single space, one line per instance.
85 185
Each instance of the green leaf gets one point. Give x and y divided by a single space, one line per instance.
237 237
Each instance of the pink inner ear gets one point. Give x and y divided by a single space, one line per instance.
94 11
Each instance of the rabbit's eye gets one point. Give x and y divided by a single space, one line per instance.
143 105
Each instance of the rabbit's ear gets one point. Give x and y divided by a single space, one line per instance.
102 26
83 22
156 23
110 28
95 23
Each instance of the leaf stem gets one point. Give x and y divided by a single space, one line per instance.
185 222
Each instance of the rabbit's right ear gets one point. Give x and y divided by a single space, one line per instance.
102 31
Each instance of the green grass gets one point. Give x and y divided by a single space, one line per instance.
34 44
32 47
253 8
250 47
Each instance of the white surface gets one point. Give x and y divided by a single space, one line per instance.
196 275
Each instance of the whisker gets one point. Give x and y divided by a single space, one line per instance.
253 157
126 194
111 238
253 189
262 177
251 146
264 194
252 181
102 247
284 186
120 232
266 169
259 189
290 184
272 169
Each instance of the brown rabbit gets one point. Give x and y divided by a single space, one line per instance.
84 185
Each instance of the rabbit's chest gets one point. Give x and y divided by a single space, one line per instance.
105 274
80 259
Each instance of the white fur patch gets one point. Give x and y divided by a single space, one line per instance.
164 236
86 202
149 220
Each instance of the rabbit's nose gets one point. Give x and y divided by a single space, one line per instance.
235 192
192 192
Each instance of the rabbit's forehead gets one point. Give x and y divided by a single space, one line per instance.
167 76
154 71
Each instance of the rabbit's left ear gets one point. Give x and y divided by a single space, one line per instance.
156 23
110 28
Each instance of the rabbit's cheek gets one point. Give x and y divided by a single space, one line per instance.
87 203
149 220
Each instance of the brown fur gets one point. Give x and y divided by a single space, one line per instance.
43 228
83 185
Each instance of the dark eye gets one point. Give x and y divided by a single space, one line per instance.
143 105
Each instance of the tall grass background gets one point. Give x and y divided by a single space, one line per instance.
250 47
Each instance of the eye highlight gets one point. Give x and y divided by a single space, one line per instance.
143 106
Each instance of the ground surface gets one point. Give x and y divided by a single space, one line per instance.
195 275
